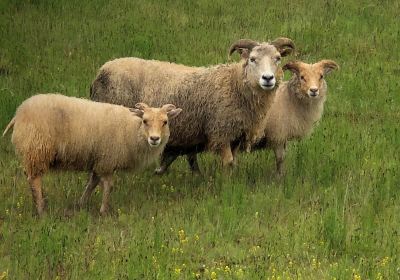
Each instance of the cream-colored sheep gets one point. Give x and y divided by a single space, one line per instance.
221 103
52 131
297 107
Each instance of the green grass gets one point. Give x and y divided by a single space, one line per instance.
336 214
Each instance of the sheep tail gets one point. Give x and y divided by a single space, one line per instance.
10 125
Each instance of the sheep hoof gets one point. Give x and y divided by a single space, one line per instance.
159 171
196 172
105 211
279 176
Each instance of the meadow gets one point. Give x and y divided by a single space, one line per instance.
336 213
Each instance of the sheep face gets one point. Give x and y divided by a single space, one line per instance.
262 60
155 121
310 77
262 66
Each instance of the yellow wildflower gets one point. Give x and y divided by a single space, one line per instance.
177 271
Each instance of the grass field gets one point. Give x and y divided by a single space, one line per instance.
335 215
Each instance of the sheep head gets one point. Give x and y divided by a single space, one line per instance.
310 78
261 61
155 121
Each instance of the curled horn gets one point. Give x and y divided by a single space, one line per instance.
242 44
168 107
284 45
141 106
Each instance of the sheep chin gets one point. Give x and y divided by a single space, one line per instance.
268 87
153 144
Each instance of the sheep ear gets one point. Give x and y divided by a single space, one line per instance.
141 106
168 107
328 65
137 112
285 46
292 66
173 113
244 53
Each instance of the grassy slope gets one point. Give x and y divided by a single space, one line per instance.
336 214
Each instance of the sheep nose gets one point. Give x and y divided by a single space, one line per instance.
267 77
154 138
314 90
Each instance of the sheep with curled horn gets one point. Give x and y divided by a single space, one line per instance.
221 103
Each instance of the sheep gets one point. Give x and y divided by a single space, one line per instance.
52 131
221 103
297 107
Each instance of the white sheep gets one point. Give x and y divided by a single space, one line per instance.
52 131
297 107
221 103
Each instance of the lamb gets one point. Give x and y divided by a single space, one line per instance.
221 103
297 107
52 131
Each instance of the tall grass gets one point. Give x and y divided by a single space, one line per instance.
335 215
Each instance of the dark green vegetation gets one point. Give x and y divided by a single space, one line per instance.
335 215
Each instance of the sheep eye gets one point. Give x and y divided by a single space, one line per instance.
252 59
302 78
278 59
165 123
321 77
145 122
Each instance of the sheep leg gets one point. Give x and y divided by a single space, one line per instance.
235 151
107 186
193 164
166 160
279 151
90 186
36 187
226 155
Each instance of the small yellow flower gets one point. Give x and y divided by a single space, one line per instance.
239 272
227 269
183 241
4 275
314 263
356 276
177 271
97 241
385 261
213 275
